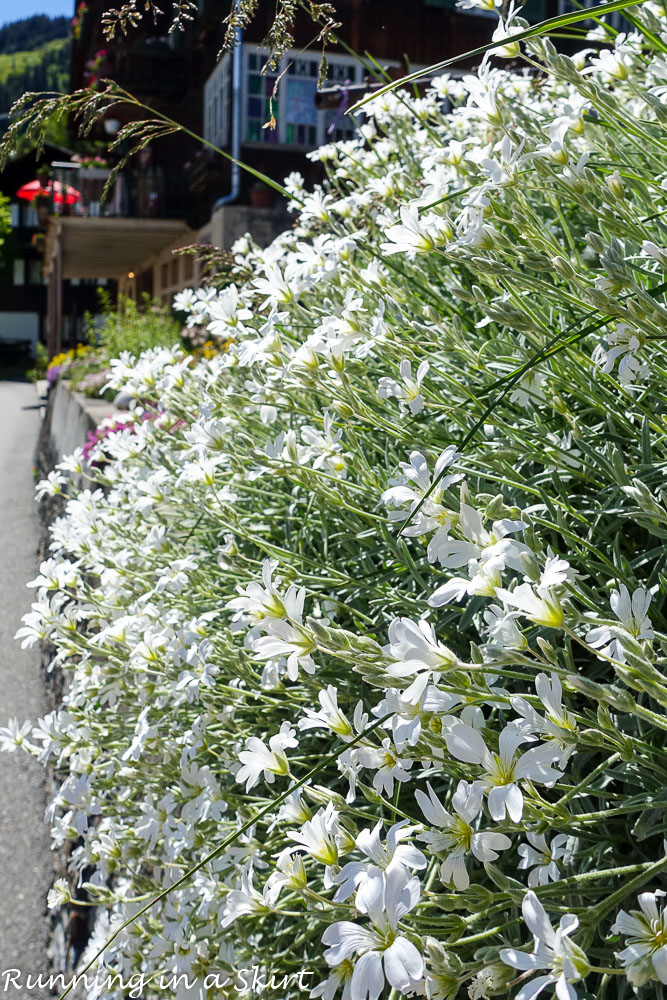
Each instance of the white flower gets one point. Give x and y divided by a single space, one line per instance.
56 574
613 64
632 614
408 708
624 343
409 392
329 717
455 835
479 543
558 725
185 301
325 448
59 895
12 736
550 693
241 902
290 641
414 647
645 957
388 764
529 388
319 836
540 606
502 771
51 486
382 856
505 30
552 950
542 857
414 234
294 809
415 481
485 579
294 183
489 5
279 288
556 571
653 250
289 873
260 604
341 976
271 760
502 628
384 953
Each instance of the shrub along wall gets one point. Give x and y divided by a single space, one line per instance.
364 616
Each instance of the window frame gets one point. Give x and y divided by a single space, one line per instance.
217 103
323 118
19 272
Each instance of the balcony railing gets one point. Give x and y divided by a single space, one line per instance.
154 193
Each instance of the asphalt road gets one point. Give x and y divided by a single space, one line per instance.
25 860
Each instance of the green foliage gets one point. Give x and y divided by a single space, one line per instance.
45 67
5 226
41 364
32 32
134 327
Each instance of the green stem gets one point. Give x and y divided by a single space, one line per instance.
607 762
599 911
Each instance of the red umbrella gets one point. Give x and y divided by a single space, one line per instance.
66 194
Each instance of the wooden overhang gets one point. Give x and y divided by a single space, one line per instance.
106 247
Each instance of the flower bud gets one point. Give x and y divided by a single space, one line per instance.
342 408
592 738
615 185
548 650
595 243
530 566
585 685
618 698
563 267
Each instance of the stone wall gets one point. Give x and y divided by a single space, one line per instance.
69 418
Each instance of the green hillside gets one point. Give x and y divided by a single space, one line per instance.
40 67
32 32
26 63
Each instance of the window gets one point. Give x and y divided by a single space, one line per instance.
298 121
29 217
217 103
15 214
19 271
35 275
257 98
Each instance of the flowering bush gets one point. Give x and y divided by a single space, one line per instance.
364 625
90 161
76 364
132 326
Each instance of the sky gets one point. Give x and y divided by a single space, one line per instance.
13 10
